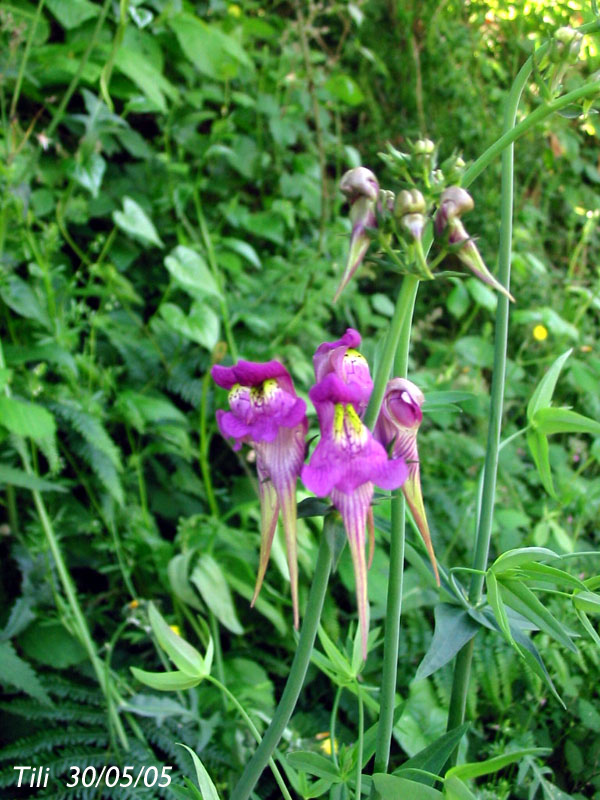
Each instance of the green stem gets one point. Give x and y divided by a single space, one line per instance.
25 59
462 667
393 611
404 306
204 447
289 698
253 730
332 723
361 737
58 114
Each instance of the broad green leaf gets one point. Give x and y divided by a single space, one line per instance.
455 789
562 420
212 52
521 555
210 581
16 477
482 294
523 600
314 764
185 657
345 89
391 787
207 787
165 681
16 672
89 173
261 605
178 570
18 295
26 419
453 629
433 757
134 221
495 600
72 13
589 602
51 643
202 325
243 249
136 66
538 447
545 389
491 765
189 270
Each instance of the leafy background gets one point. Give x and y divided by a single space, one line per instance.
169 197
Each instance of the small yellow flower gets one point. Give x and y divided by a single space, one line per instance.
325 740
234 10
540 332
176 629
134 604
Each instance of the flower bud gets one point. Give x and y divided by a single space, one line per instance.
410 210
362 190
423 147
453 203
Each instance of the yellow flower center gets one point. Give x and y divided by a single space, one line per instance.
540 332
348 430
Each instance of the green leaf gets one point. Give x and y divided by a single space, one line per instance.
18 295
458 301
16 477
134 221
26 419
210 581
212 52
391 787
455 789
453 629
185 657
521 555
562 420
583 618
538 447
314 764
339 662
207 787
589 602
491 765
165 681
523 600
135 64
545 389
72 13
52 644
434 756
482 294
495 600
89 173
201 326
345 89
243 249
543 572
14 671
189 270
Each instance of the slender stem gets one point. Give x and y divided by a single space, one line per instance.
332 723
25 59
253 730
393 611
361 737
58 114
289 698
462 666
404 305
204 447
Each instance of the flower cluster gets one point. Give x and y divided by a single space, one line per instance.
347 463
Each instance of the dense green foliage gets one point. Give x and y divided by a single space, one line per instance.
168 200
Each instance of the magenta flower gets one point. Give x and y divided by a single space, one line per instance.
346 465
267 414
342 359
397 427
362 190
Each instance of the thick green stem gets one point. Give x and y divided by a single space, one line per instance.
393 611
289 698
404 306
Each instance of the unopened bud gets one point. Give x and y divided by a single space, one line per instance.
454 202
423 147
410 210
359 182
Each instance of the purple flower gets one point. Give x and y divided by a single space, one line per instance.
397 427
346 465
455 202
342 360
267 414
362 190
